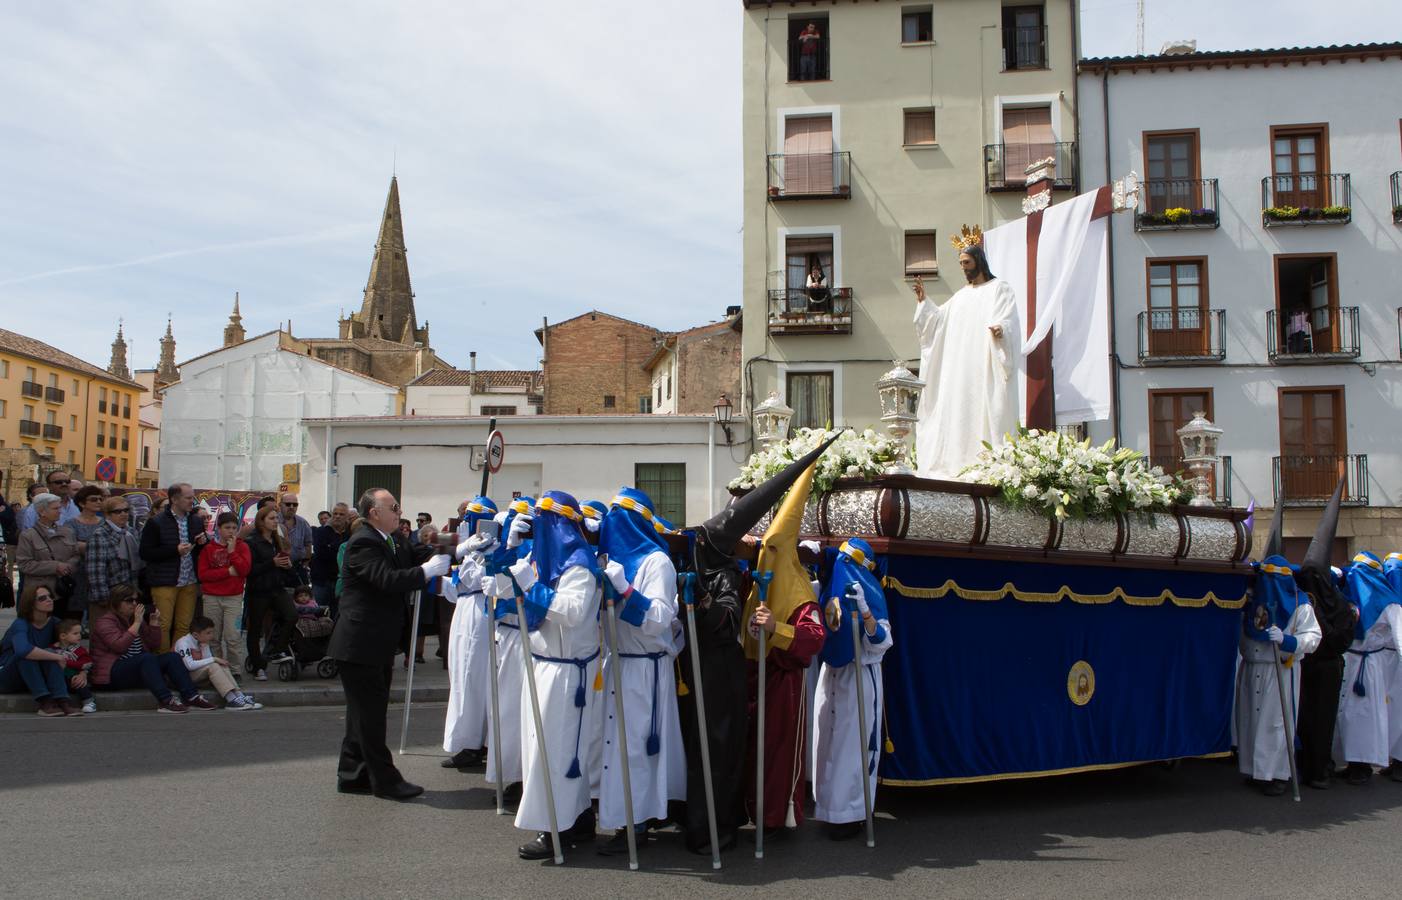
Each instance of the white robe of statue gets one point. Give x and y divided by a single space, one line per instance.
469 659
970 376
1260 728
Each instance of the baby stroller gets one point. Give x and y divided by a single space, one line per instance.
310 641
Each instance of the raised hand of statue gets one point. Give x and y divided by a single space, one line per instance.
919 287
996 331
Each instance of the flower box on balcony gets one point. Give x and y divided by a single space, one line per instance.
1179 217
1303 215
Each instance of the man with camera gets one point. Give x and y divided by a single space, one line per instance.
381 570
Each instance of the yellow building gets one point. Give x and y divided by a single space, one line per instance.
68 410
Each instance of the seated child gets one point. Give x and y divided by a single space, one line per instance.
307 607
205 667
69 634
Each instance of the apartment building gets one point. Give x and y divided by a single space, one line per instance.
1258 281
872 131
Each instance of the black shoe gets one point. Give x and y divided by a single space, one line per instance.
360 786
845 831
727 841
1319 784
1358 773
1273 788
401 791
1394 771
618 844
542 848
465 759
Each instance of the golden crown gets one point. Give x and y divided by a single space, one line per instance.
967 237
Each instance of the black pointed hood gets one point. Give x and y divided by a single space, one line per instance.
1317 556
1275 541
723 531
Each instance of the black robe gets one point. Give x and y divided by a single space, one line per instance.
1321 676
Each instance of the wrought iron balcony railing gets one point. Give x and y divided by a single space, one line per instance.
810 176
28 428
53 432
800 311
1182 335
1221 478
54 395
1175 204
32 389
1312 199
1005 165
1396 198
1024 47
1309 479
1320 335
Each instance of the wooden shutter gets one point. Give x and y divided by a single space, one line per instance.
919 127
920 250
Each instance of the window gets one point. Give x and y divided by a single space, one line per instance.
102 400
804 255
389 478
808 155
917 24
146 459
1177 307
1313 447
4 368
76 387
498 410
1299 159
72 459
29 412
50 418
73 422
808 48
1307 304
645 404
920 128
2 409
665 483
101 438
810 396
659 392
30 374
1168 412
920 247
609 401
126 439
669 386
1171 167
1027 137
53 379
1024 38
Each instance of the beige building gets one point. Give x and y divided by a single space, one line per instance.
865 147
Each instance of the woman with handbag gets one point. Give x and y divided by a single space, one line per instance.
48 554
268 592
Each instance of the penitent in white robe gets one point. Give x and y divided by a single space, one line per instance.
510 672
649 688
469 659
569 631
838 754
1362 732
1260 728
971 389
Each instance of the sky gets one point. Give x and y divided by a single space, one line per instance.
552 156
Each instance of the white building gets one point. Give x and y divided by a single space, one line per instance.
432 463
488 392
1259 279
234 419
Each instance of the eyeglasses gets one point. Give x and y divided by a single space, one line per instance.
393 509
43 598
58 483
121 509
293 505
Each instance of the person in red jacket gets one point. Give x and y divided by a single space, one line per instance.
222 569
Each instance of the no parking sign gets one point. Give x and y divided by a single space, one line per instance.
106 469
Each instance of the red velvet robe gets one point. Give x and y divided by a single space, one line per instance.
785 714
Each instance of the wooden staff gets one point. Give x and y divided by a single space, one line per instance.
610 595
689 598
762 580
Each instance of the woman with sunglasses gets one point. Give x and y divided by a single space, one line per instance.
268 592
26 663
113 554
89 498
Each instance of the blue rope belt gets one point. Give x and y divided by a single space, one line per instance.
504 624
582 664
1358 687
654 740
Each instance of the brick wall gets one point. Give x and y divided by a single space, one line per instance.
593 356
708 365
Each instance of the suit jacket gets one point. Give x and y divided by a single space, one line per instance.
379 583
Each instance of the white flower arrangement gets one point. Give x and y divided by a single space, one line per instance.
855 454
1059 476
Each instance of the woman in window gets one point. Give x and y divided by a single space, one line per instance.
817 289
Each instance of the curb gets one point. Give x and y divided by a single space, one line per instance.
328 694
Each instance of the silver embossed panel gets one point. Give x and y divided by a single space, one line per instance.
1023 528
853 513
1209 538
940 517
1089 535
810 520
1152 535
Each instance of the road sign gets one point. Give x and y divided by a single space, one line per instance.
106 469
496 452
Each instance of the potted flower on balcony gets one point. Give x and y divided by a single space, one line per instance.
1335 212
1177 215
1204 216
1283 213
773 190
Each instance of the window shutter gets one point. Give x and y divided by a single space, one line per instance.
919 127
920 253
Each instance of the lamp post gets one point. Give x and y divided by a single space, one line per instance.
1199 440
724 413
899 391
771 420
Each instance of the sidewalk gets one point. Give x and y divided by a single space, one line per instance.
430 685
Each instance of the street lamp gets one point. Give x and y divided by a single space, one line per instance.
1199 440
771 420
723 416
899 391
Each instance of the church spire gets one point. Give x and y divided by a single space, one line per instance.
118 365
166 372
233 332
388 309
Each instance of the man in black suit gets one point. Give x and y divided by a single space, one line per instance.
381 570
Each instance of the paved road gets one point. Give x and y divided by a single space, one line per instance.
242 805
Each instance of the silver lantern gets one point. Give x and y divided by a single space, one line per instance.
899 391
1199 439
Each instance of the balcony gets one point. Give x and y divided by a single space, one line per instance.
1182 336
28 428
1397 198
810 176
54 395
53 432
1024 47
1005 165
1309 480
1328 334
792 311
1221 479
1178 204
32 389
1321 199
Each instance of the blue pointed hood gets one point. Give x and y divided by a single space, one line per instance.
478 509
855 562
1392 568
628 534
1367 588
558 545
1274 597
503 557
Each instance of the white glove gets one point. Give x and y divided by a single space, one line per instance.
439 565
614 573
811 546
592 525
450 590
478 543
855 592
1275 635
519 526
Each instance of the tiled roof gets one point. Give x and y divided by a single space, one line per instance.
498 378
594 312
1212 57
20 345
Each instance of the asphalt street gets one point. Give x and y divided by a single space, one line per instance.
243 805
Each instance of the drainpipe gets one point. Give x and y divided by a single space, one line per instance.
1110 266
